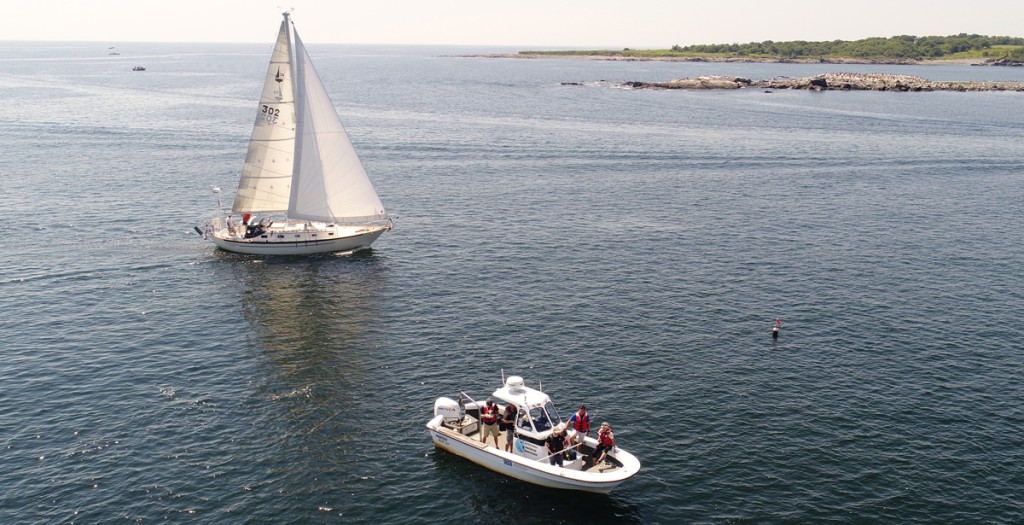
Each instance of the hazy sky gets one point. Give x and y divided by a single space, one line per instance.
610 24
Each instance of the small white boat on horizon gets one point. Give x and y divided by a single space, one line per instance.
456 428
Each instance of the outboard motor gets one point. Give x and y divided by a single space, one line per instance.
449 408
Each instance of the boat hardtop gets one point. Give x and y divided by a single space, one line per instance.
543 416
458 428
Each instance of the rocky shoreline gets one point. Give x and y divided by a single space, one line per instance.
828 82
746 60
627 58
1001 62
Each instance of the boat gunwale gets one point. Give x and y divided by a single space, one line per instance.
586 479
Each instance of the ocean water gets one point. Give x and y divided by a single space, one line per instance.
629 250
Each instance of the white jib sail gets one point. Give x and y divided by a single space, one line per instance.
328 183
265 185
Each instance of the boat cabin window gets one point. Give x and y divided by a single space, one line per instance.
552 413
544 417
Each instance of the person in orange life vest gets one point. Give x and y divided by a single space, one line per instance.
555 444
489 418
605 442
579 421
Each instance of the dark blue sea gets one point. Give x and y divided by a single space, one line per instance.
629 250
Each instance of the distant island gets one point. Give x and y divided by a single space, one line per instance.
827 82
904 49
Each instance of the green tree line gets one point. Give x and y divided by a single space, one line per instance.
904 46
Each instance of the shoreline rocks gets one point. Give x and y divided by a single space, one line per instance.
743 60
830 82
1006 62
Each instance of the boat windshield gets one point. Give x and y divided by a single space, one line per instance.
540 419
544 417
552 413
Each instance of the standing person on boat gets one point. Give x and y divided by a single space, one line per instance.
580 422
555 444
508 420
605 442
489 418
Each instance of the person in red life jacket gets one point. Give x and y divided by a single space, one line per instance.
489 418
555 445
580 422
605 442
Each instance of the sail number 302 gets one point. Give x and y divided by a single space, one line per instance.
270 114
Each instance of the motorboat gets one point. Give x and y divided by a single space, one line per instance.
457 428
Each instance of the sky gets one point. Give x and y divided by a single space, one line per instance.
605 24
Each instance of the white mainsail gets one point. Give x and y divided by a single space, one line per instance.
265 185
328 183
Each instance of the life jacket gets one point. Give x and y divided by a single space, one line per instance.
581 424
605 437
489 414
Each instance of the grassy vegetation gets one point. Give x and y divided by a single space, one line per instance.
903 47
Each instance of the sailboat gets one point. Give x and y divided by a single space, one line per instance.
303 189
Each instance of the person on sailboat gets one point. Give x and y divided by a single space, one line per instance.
254 229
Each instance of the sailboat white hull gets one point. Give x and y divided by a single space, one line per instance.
290 241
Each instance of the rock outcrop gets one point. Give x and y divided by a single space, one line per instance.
1001 62
831 81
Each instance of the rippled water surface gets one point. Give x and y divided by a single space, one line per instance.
629 249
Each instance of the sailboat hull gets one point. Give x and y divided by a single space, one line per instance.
286 242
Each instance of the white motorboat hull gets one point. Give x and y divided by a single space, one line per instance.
287 241
531 470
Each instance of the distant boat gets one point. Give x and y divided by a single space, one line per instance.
138 68
113 50
301 165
